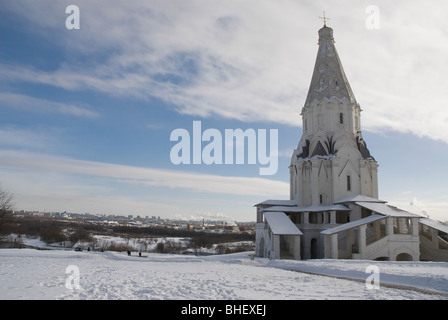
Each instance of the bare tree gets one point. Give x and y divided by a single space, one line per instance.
6 207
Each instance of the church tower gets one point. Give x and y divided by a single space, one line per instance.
331 161
334 211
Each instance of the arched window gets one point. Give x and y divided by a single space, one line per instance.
341 118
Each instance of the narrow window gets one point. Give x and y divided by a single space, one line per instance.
320 198
349 183
341 118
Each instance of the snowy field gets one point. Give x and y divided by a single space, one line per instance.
28 274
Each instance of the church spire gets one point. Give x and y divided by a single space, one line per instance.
329 80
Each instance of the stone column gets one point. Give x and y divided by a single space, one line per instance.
276 239
389 226
259 215
297 247
362 169
325 217
401 223
374 171
327 246
414 222
292 178
299 195
362 240
334 246
306 217
334 181
350 239
333 217
315 182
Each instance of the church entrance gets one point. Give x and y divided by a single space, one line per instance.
313 248
286 246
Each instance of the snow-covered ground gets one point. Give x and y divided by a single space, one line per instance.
63 274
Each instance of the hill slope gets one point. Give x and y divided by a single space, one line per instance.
53 274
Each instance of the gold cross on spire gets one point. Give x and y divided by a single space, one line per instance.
325 19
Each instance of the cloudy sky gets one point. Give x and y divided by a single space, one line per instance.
86 114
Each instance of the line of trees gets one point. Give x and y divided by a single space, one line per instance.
6 211
51 230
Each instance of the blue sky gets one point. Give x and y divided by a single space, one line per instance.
86 115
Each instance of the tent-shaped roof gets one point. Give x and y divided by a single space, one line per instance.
329 80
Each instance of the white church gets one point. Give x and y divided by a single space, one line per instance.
334 211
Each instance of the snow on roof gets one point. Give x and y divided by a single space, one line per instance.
281 224
386 210
278 203
335 207
359 198
434 224
353 224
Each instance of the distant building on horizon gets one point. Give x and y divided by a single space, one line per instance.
334 211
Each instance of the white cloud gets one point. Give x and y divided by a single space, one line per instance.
432 206
420 207
205 183
286 153
204 59
13 137
252 60
23 102
52 183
